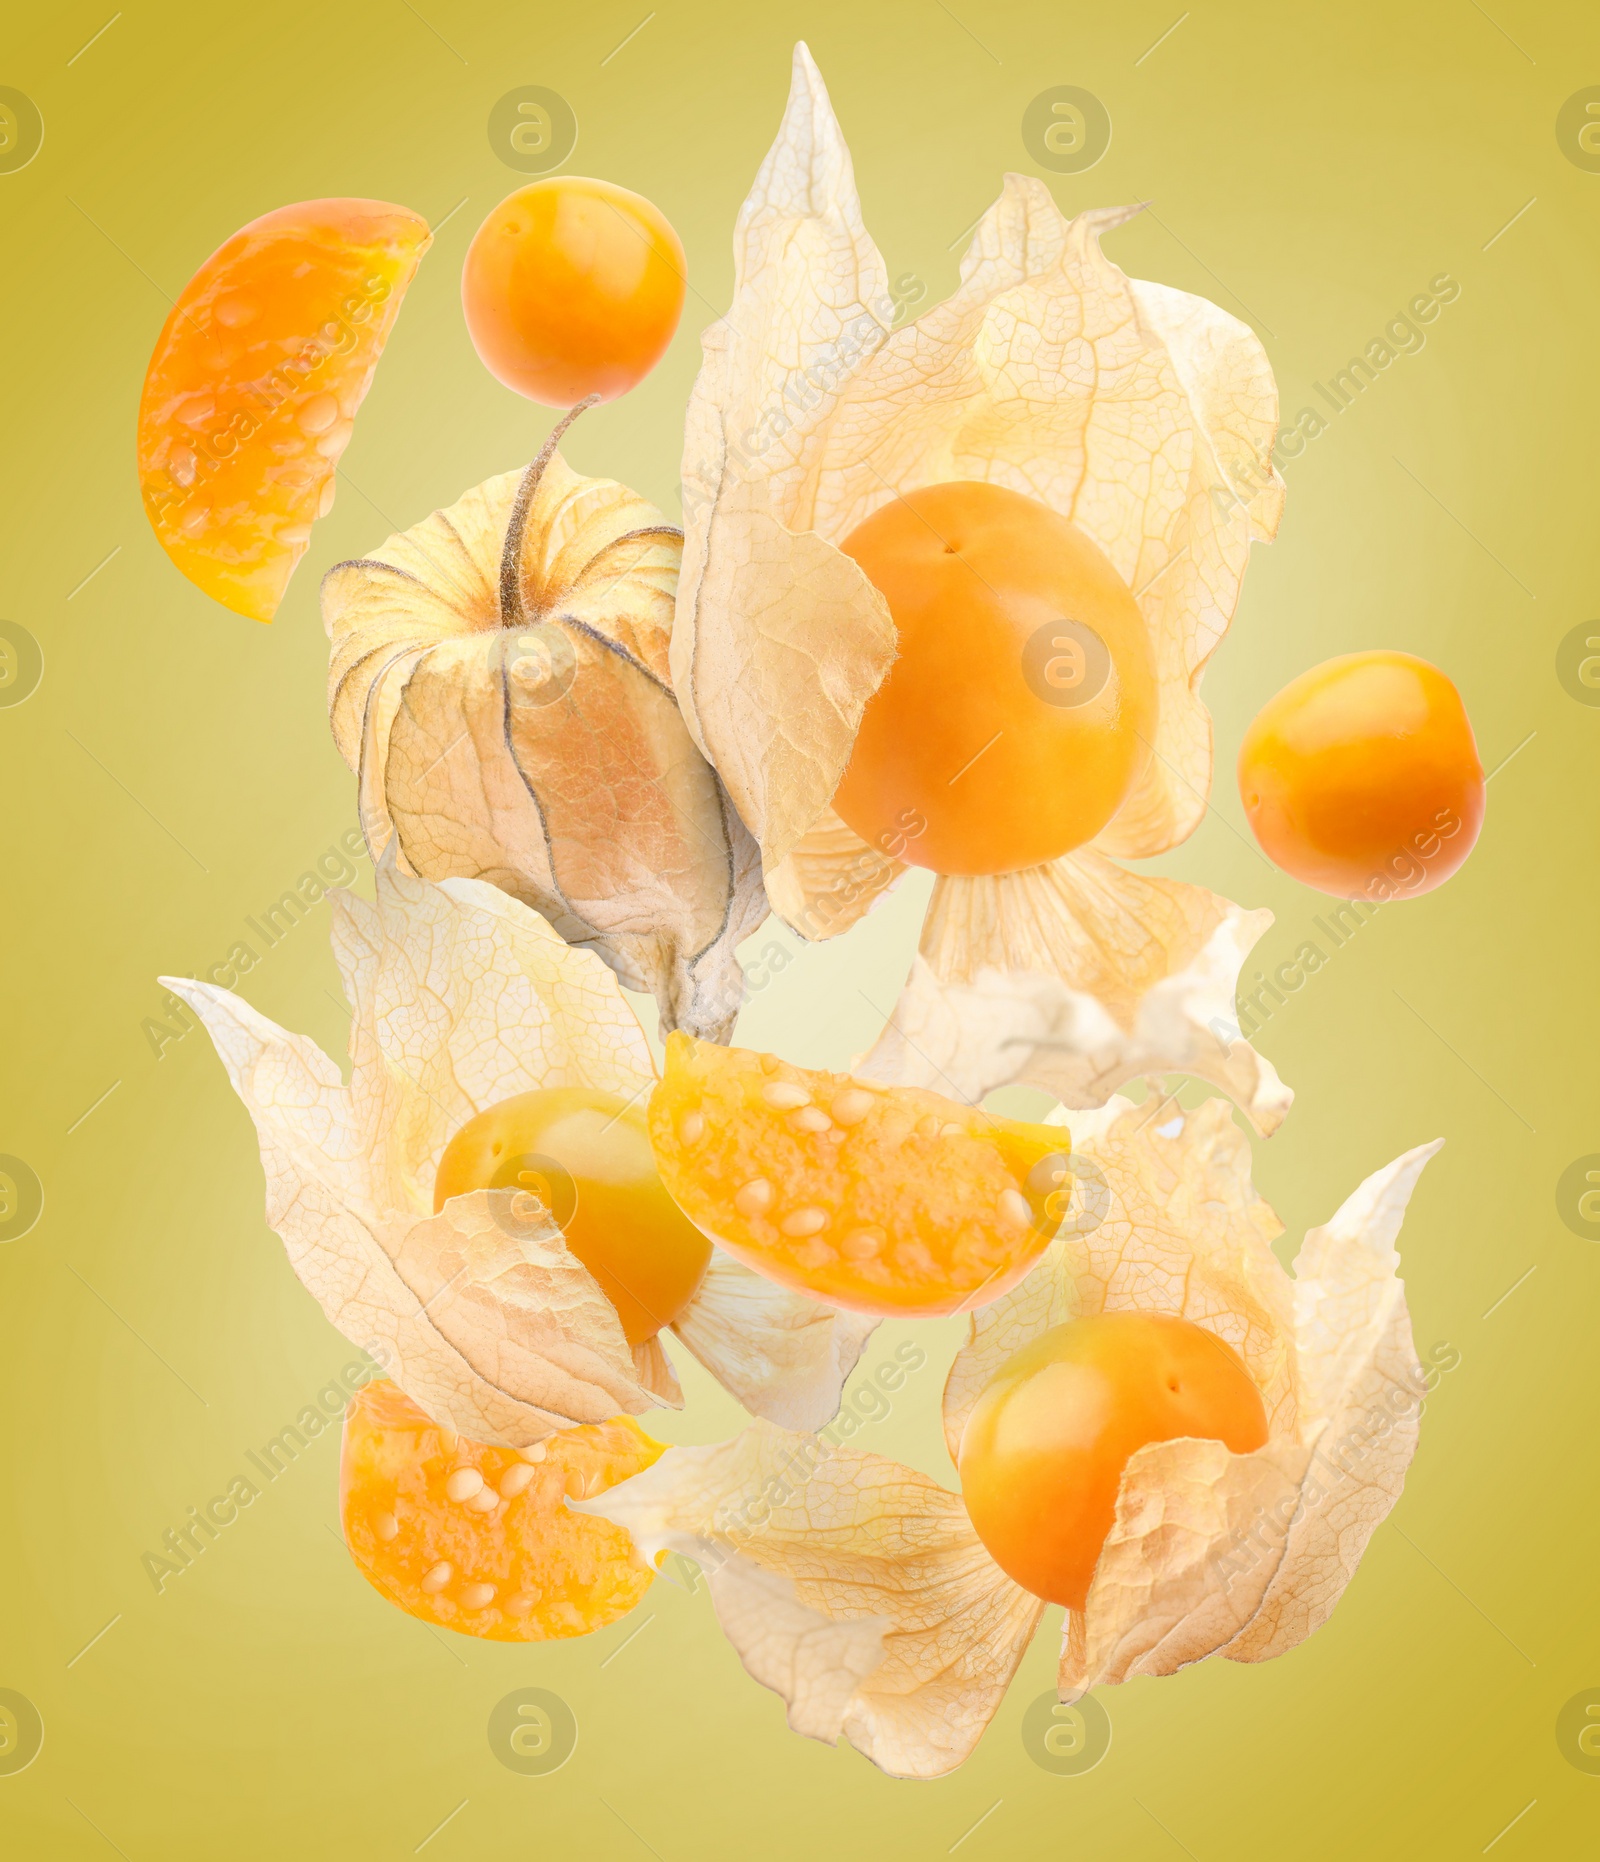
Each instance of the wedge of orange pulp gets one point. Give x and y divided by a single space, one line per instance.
584 1155
573 287
256 378
1043 1451
1021 707
478 1538
884 1200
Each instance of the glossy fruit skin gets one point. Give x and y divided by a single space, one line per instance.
254 384
573 287
616 1216
552 1573
1361 777
1043 1451
972 731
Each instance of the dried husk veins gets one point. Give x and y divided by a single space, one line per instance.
463 997
811 1551
1144 415
499 682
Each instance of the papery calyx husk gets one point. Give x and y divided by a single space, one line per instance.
499 683
462 997
1143 414
857 1588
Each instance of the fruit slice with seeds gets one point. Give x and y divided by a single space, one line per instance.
886 1200
256 378
477 1537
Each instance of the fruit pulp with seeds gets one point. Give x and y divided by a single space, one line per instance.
573 288
586 1156
1042 1455
477 1537
1020 711
887 1200
254 383
1362 778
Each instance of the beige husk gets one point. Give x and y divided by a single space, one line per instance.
499 684
857 1588
1142 413
463 997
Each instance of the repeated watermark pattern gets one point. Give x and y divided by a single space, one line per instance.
1333 1464
21 1197
1066 129
532 1731
268 928
183 1544
21 130
1578 1197
533 129
1578 129
1402 335
1066 1737
1577 663
21 664
21 1732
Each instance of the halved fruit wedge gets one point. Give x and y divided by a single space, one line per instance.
888 1200
255 381
476 1537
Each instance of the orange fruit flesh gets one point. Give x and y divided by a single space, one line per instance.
1022 707
883 1200
476 1537
254 383
1362 777
573 287
1044 1449
585 1156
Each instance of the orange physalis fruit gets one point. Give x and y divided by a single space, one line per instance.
476 1537
573 288
1362 778
1042 1454
584 1156
887 1200
255 381
1022 705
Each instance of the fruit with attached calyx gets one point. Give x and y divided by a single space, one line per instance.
1043 1452
1021 707
585 1156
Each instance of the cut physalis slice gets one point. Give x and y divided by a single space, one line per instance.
890 1201
478 1538
255 381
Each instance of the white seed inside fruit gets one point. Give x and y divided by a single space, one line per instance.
851 1106
692 1127
477 1596
755 1198
514 1480
1013 1208
804 1222
485 1500
439 1576
866 1244
810 1118
784 1095
534 1452
950 1129
318 414
386 1526
463 1484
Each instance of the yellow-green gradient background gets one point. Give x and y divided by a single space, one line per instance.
1311 168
